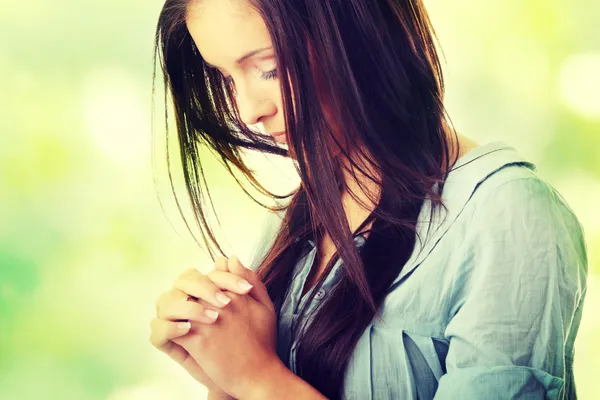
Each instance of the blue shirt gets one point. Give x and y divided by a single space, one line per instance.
487 308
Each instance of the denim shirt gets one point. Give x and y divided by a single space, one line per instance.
487 307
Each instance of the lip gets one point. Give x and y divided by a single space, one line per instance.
279 136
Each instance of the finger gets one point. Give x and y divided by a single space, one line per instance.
198 285
161 300
185 310
229 281
170 296
259 291
221 264
208 306
163 331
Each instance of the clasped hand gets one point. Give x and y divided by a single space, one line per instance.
233 353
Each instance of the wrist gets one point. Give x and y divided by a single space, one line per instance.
219 395
264 386
278 382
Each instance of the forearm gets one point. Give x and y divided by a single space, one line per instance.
283 384
219 396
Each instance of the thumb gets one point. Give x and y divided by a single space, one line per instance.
259 290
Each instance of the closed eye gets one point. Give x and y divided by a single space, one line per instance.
269 75
264 76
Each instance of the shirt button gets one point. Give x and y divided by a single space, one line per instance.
320 294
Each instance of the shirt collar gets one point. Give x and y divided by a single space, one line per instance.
463 179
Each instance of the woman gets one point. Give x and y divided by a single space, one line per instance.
485 305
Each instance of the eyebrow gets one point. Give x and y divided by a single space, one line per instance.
242 58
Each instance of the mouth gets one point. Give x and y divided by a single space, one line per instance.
279 136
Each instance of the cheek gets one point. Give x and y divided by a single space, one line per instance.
327 113
293 96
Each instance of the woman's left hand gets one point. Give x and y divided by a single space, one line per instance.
238 350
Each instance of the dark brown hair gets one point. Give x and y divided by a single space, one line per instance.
379 66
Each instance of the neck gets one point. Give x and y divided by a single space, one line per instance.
360 194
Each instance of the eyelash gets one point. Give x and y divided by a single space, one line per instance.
265 76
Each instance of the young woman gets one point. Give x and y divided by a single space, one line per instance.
410 263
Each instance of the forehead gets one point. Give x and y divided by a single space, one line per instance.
224 30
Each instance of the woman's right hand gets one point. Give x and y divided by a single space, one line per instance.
174 310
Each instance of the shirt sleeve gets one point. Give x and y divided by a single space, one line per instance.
514 326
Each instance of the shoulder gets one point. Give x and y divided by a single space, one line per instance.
520 201
518 289
523 226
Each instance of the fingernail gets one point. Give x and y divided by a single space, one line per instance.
222 298
212 314
244 285
184 326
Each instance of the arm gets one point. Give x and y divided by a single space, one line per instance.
279 383
519 306
219 396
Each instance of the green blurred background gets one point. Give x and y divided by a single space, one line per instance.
90 235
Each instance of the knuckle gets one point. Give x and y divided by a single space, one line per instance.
201 342
160 300
204 287
189 271
225 280
220 259
191 311
236 295
183 310
155 335
158 330
177 282
186 275
233 296
213 273
153 324
162 312
192 272
152 339
204 305
216 277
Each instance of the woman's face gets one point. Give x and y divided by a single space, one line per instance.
232 37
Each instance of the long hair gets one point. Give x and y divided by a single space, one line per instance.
377 63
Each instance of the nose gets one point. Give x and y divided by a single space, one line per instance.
254 106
